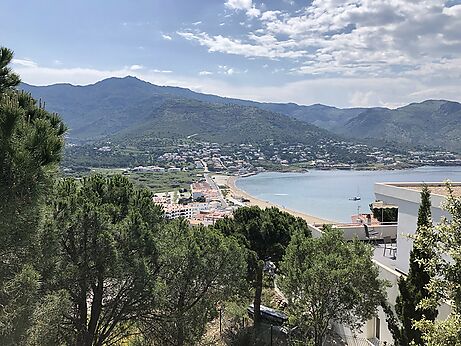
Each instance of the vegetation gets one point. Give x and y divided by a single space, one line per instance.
100 248
265 233
202 269
445 273
385 214
31 140
114 104
128 109
327 280
433 123
413 288
158 182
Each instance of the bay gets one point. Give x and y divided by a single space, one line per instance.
326 194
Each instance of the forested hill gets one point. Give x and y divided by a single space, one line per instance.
130 108
118 105
433 123
222 123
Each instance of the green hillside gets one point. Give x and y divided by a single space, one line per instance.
433 123
180 118
112 105
129 107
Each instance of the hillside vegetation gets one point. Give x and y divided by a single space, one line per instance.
180 118
126 107
427 124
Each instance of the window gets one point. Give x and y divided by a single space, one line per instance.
377 328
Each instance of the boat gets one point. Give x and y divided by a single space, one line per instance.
355 198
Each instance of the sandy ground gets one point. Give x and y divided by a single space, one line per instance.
237 194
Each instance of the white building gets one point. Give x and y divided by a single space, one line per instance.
407 196
187 211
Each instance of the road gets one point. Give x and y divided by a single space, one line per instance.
205 166
214 186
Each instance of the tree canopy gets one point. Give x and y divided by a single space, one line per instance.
99 246
413 288
8 79
200 268
445 275
265 233
31 142
327 280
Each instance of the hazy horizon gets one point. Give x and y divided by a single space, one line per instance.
224 96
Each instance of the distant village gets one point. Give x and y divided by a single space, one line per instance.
241 159
204 202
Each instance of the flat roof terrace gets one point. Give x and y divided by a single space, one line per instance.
436 188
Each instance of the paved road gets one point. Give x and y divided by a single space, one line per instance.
214 186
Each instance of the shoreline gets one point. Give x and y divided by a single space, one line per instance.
253 201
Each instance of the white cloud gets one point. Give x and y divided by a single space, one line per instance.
257 48
357 38
341 91
239 4
226 70
161 71
253 12
167 37
454 11
197 23
245 5
136 67
24 62
205 73
270 15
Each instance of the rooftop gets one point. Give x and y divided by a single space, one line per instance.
436 188
384 257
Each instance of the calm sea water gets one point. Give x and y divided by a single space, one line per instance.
326 193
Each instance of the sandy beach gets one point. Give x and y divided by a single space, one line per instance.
237 193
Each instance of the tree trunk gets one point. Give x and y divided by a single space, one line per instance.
82 332
318 339
181 337
96 307
258 292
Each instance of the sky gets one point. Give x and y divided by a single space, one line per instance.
340 53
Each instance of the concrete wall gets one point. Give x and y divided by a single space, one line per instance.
358 231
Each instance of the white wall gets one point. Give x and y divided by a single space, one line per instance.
408 201
351 232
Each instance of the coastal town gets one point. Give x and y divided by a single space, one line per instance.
208 191
248 158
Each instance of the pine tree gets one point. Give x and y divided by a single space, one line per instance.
329 279
413 288
265 233
8 79
31 142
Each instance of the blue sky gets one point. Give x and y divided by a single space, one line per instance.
336 52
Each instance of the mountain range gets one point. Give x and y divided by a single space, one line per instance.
127 107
